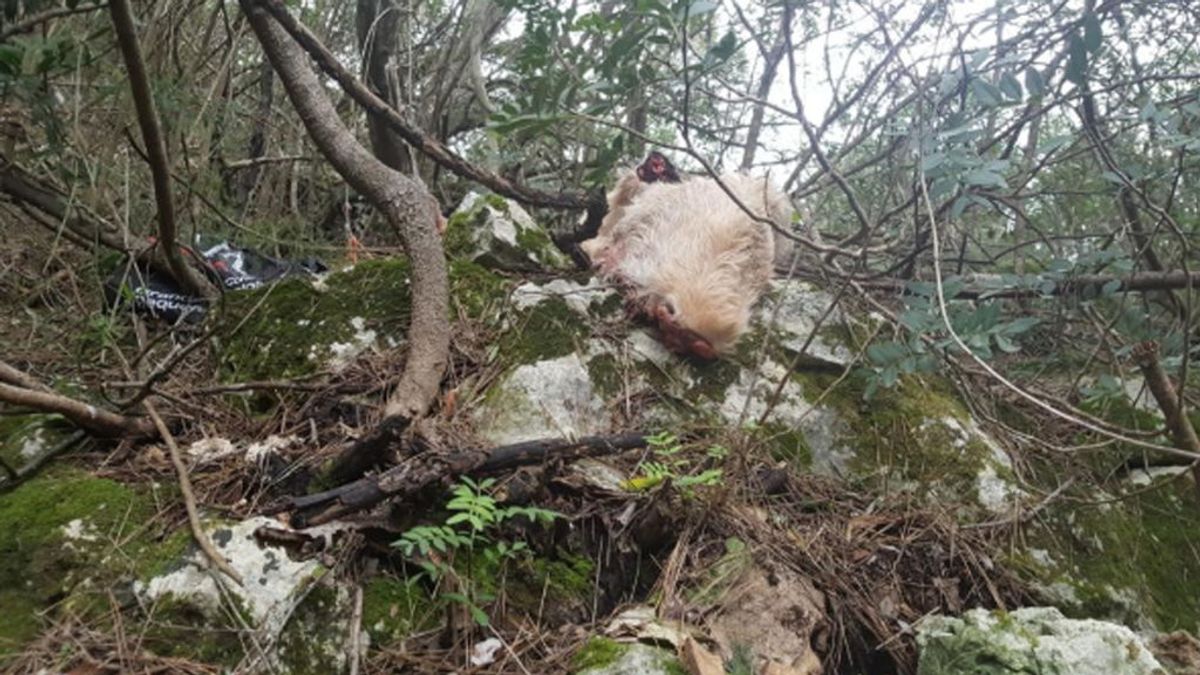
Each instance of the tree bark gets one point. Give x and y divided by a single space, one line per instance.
377 27
770 66
406 204
1145 354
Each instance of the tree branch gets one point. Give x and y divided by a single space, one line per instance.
415 136
426 468
976 287
83 415
406 204
147 116
28 24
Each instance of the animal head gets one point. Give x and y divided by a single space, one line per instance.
696 320
656 167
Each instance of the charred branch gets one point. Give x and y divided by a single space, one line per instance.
417 472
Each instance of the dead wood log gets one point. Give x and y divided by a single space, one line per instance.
426 468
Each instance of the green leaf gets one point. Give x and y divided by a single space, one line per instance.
1077 61
1010 86
1034 83
932 161
1093 37
960 205
886 352
1006 345
11 56
479 616
984 178
987 95
1110 287
722 50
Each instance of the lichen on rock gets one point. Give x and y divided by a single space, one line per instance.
497 232
1030 640
272 583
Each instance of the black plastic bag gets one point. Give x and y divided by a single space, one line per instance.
156 295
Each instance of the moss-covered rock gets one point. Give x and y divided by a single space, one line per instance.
604 656
66 538
919 438
299 325
496 232
1130 557
272 583
302 325
314 640
26 437
1032 641
544 399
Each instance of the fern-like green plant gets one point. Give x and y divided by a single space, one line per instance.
472 526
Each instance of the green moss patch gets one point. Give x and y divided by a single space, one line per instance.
313 642
285 330
394 608
1136 556
179 629
479 291
559 590
598 652
40 564
28 436
906 431
548 330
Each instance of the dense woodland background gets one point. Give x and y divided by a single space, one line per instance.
1007 189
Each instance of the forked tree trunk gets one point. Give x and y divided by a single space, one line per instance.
407 205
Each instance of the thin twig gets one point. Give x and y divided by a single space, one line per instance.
189 497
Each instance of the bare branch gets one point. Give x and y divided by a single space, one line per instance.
160 168
83 415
